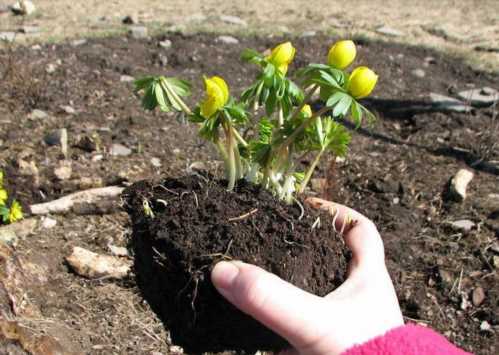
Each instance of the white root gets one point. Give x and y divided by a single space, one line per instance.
64 204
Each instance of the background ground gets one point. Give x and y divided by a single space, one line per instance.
468 28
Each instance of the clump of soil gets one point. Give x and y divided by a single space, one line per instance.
195 223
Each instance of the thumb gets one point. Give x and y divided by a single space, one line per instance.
282 307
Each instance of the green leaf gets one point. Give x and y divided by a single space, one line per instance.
143 83
252 56
237 112
337 138
269 75
160 98
271 103
356 113
330 80
4 213
295 93
181 87
196 116
335 98
149 101
342 106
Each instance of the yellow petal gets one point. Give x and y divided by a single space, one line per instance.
361 82
217 95
283 69
15 212
282 54
342 54
223 86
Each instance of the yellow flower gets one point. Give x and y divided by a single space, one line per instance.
341 54
3 196
283 69
306 111
361 82
217 95
282 55
15 212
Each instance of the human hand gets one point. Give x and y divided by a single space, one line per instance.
362 308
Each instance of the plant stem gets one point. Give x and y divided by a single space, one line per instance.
257 96
239 138
231 173
177 99
280 117
304 102
310 171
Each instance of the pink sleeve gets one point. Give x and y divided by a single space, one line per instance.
408 340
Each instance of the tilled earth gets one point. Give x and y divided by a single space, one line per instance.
396 173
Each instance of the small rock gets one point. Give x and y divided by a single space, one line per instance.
307 34
233 20
120 150
7 36
138 32
480 97
117 251
485 326
448 103
166 44
57 137
29 29
227 40
419 73
389 31
78 42
465 302
8 236
97 157
23 7
130 19
458 185
176 350
68 109
317 184
495 261
93 266
156 162
64 170
48 223
51 68
463 225
446 277
478 296
126 78
196 166
36 47
37 115
176 151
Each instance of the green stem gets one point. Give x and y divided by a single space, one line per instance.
232 168
307 98
280 117
177 99
310 171
257 96
239 138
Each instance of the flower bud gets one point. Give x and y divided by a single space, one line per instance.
282 55
3 196
217 95
341 54
361 82
306 111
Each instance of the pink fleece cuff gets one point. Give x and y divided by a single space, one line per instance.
408 339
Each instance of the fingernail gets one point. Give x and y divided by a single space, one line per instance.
224 274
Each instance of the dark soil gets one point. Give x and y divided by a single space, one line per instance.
197 222
395 173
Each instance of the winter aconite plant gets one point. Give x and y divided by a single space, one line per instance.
260 134
8 214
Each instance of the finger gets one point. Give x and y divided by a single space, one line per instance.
361 235
282 307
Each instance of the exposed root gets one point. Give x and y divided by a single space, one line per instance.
243 216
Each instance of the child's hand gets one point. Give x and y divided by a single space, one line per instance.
364 307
